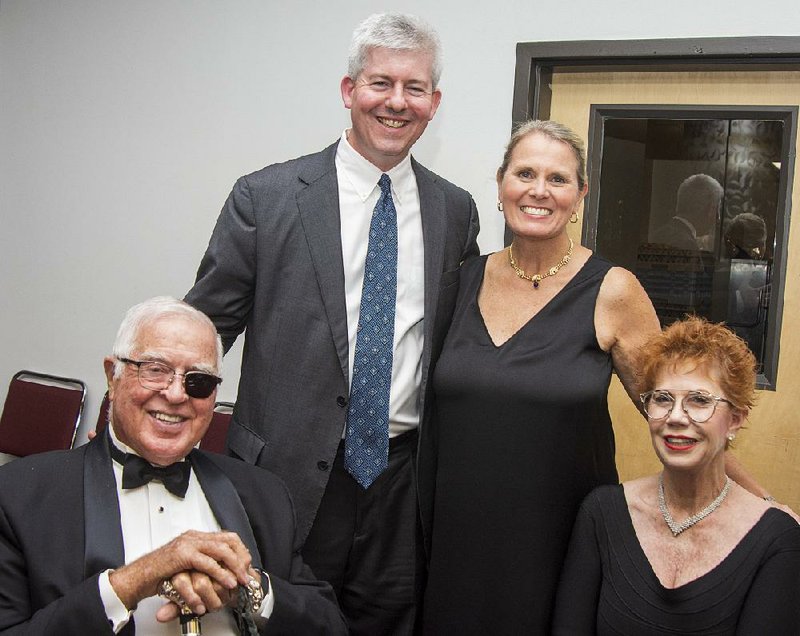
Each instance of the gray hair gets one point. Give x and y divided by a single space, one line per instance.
553 130
150 311
696 194
398 32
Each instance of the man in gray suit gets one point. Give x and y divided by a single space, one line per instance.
287 259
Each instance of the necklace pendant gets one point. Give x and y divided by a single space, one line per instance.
535 284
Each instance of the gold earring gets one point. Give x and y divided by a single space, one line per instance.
574 217
499 206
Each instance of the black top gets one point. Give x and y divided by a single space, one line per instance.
609 587
523 434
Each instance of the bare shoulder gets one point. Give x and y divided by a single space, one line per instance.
621 287
496 260
640 493
747 504
624 313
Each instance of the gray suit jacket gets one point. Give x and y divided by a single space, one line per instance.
274 267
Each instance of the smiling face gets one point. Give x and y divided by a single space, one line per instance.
163 426
391 102
681 443
539 189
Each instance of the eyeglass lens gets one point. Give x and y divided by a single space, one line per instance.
698 406
157 377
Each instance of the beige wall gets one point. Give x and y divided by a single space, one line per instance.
770 445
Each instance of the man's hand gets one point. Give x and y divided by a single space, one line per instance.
201 594
208 563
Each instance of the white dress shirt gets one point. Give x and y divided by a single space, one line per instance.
358 194
151 517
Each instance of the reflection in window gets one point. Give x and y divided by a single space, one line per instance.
691 206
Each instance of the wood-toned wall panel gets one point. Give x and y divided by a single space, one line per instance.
770 445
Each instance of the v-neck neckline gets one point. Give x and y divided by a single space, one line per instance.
524 325
635 548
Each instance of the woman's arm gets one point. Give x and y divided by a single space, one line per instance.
624 320
579 587
772 605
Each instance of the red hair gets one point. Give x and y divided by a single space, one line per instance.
694 340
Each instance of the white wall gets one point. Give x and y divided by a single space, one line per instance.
123 126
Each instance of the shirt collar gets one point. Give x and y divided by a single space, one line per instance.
121 445
364 176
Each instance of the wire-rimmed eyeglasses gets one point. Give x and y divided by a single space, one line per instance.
157 376
699 406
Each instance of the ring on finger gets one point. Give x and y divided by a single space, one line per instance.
167 590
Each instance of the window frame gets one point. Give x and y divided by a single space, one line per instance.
788 115
537 61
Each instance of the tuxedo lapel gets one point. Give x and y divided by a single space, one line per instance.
224 502
104 547
318 204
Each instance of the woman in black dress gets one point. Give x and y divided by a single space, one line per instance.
521 431
687 551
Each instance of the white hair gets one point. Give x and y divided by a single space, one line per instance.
150 311
698 193
398 32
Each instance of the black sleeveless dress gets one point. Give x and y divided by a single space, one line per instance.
523 434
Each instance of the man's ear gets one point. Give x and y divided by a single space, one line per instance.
347 86
108 367
436 99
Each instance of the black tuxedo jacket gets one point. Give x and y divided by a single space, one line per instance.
60 527
274 267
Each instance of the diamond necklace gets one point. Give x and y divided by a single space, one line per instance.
677 528
537 278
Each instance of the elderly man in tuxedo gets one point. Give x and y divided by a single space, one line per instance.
89 537
342 266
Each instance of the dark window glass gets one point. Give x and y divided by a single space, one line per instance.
691 206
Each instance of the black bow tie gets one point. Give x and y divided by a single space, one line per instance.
138 472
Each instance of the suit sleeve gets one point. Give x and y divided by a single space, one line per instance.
471 246
303 604
76 613
303 600
225 284
772 605
579 587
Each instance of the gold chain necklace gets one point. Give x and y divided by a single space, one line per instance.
537 278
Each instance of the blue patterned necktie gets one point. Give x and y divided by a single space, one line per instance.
366 439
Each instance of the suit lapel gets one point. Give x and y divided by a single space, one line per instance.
103 530
432 210
104 547
318 204
224 502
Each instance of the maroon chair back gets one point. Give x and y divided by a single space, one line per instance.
41 413
217 433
